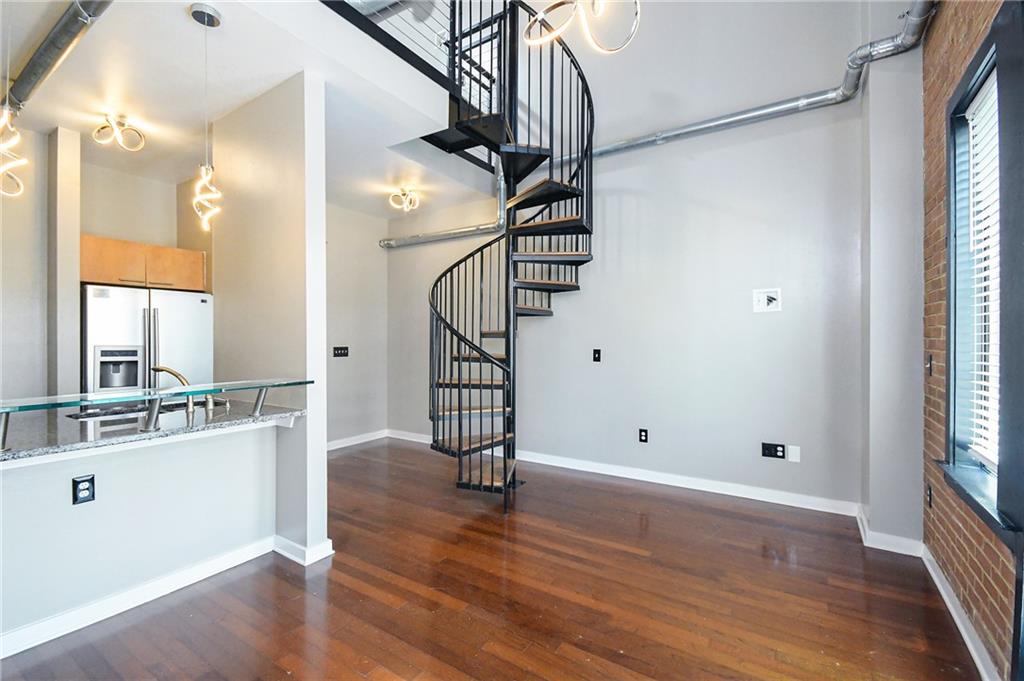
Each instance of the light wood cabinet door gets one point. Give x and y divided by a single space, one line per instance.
175 268
112 261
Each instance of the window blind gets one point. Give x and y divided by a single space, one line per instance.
977 281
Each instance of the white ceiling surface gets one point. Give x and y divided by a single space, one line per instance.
695 60
145 60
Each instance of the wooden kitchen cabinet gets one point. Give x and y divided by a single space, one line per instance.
129 263
112 261
175 268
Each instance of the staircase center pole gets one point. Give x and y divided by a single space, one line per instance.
511 36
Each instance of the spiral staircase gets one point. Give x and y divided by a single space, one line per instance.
524 113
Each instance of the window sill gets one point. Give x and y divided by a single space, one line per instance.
977 487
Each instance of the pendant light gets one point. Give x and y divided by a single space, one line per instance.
205 193
10 184
539 22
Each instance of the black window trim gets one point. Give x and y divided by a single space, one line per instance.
998 499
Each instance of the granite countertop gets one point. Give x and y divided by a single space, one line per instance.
46 432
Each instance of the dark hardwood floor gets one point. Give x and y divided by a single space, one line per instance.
590 578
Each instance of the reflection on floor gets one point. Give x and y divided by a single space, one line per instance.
590 578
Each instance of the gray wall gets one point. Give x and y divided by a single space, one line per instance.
357 316
411 271
894 291
23 277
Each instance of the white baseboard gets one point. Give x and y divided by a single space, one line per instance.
377 435
411 437
301 554
986 668
356 439
33 634
886 542
848 508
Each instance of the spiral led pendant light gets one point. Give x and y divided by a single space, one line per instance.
546 32
117 129
10 184
404 199
205 193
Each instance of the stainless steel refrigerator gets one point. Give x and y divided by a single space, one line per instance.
126 331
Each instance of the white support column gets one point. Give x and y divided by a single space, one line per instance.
64 233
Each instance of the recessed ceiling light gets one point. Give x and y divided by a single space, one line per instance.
117 129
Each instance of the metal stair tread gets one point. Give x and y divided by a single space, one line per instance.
476 357
472 444
542 193
552 285
533 311
473 383
568 225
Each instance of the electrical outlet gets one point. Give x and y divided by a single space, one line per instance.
341 351
83 489
643 435
597 354
773 451
793 453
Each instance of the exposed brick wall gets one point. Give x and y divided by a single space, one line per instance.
977 564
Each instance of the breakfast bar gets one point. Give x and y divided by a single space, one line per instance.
111 499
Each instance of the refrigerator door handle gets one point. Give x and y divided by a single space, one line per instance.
156 344
146 363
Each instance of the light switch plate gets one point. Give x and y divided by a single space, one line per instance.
767 300
793 453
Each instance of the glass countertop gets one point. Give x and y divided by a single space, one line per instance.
143 394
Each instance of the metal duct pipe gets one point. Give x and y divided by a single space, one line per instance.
473 230
55 47
913 30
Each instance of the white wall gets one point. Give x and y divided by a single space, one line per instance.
123 206
23 277
357 317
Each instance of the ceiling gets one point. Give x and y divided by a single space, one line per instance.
145 60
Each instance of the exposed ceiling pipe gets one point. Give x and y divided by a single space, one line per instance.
907 39
55 47
473 230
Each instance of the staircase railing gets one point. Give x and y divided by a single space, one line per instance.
544 105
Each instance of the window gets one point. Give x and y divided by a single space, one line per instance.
976 273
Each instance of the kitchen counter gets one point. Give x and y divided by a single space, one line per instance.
54 432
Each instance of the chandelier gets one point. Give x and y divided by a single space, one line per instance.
546 32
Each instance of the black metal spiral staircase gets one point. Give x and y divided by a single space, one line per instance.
524 112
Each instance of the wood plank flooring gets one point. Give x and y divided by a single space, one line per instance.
590 578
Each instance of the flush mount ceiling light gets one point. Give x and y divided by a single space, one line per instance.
117 129
546 32
204 192
10 184
404 199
